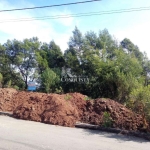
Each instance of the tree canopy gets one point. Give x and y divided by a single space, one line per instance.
117 70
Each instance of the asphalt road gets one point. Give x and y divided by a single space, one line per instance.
27 135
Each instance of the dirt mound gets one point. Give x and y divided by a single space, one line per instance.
7 99
47 108
120 116
78 101
67 109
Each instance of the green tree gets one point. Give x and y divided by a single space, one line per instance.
73 60
54 55
21 56
42 61
106 44
131 49
48 79
76 41
91 38
7 68
146 69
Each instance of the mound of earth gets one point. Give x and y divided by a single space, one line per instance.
120 116
78 101
67 109
47 108
7 97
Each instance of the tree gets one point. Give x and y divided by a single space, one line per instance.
54 55
146 69
107 44
48 79
7 69
71 60
127 64
91 38
42 61
76 41
131 49
22 58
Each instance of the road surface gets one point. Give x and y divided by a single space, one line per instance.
27 135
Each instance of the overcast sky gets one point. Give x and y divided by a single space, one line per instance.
133 25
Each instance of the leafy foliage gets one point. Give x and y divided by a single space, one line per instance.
116 70
140 101
107 120
48 79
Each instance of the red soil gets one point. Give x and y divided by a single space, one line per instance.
67 109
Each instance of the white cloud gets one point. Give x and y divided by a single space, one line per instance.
45 30
68 21
139 35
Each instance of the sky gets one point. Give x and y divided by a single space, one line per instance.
132 25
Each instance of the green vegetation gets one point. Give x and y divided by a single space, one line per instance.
87 98
16 87
140 101
68 97
107 120
116 70
1 79
48 79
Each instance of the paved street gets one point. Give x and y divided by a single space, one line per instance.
27 135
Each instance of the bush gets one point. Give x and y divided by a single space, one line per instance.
16 87
140 101
107 120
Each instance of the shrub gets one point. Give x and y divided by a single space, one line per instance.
16 87
140 101
107 120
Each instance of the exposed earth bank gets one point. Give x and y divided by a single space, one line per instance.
67 109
